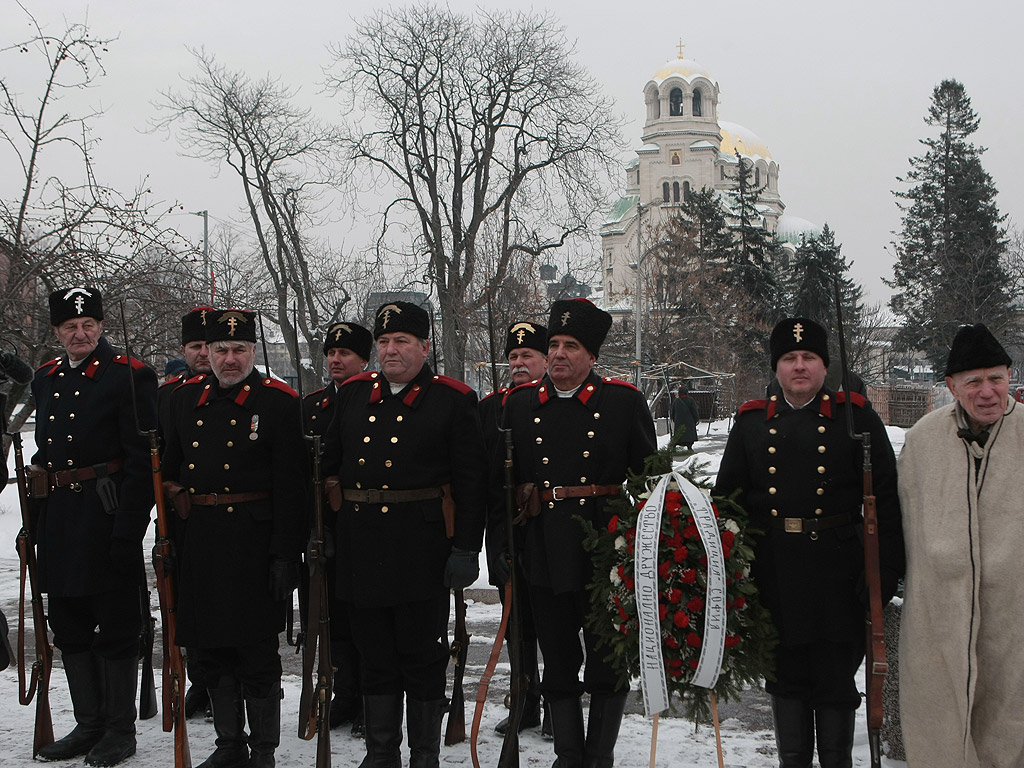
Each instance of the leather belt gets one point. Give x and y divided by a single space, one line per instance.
215 499
375 496
560 492
75 477
811 524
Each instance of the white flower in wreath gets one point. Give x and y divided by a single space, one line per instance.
614 575
620 542
730 525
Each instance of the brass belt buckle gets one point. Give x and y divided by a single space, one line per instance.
794 525
373 495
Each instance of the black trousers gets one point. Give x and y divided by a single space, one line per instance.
822 674
558 619
108 624
404 647
256 667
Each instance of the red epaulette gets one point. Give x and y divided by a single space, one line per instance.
54 365
311 395
279 385
620 382
124 359
364 376
753 405
856 399
459 386
501 391
175 379
199 377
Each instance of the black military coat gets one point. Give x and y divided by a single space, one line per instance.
802 463
318 410
590 438
426 435
496 536
163 399
84 417
243 440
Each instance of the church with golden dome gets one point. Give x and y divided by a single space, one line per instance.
686 147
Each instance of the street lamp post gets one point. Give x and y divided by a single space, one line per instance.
207 272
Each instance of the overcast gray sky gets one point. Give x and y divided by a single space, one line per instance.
837 90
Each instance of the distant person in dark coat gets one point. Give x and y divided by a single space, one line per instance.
685 417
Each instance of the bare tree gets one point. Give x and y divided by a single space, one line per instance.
61 225
476 118
285 160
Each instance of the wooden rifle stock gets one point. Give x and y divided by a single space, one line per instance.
173 681
455 729
39 687
315 698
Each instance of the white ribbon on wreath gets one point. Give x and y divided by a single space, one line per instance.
645 575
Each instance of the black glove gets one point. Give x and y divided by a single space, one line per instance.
461 569
170 559
326 549
284 578
125 559
497 567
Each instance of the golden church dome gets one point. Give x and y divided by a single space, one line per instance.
688 69
736 138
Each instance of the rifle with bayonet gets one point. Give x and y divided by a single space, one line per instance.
315 697
39 685
173 680
455 728
875 664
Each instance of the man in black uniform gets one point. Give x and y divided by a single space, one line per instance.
575 434
800 479
526 346
409 466
196 354
92 522
347 347
234 451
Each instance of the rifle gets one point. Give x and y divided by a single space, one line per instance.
455 729
39 687
510 628
876 667
315 698
173 680
147 690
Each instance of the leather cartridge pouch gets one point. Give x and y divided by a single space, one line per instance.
527 503
332 486
177 497
37 482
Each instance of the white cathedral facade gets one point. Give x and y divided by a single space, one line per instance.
686 147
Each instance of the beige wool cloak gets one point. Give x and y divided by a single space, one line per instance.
962 635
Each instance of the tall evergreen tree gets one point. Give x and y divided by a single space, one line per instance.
948 269
818 262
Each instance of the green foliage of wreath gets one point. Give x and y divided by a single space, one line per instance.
682 584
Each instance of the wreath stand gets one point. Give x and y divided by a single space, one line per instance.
718 733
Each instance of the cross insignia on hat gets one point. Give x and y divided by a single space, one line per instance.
798 331
79 294
565 318
233 319
202 316
338 329
521 329
386 312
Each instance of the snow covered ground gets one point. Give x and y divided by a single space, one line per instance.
679 744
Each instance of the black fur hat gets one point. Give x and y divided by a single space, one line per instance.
798 333
349 336
75 302
974 346
581 319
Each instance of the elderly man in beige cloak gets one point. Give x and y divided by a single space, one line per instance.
961 650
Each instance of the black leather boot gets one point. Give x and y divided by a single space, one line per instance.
530 717
567 725
264 729
603 728
794 732
120 682
229 723
86 700
347 705
382 716
424 723
835 736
